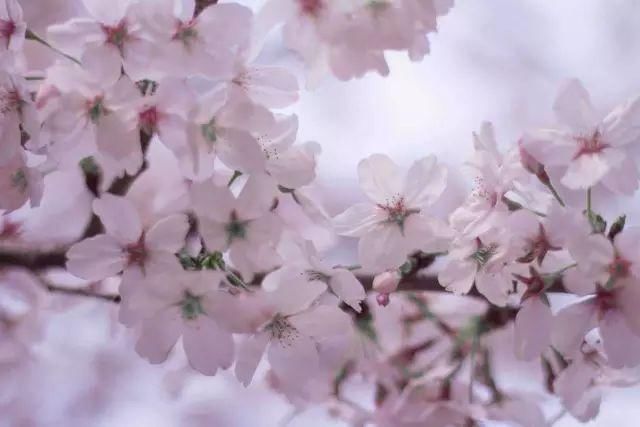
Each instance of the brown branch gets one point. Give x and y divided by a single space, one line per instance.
202 5
34 261
82 293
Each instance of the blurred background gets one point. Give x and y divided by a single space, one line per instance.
497 60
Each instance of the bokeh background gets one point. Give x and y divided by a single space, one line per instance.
496 60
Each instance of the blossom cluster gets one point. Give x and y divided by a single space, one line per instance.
220 266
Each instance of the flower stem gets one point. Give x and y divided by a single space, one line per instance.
30 35
554 192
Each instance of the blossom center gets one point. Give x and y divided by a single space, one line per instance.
148 119
592 144
19 180
397 210
186 33
482 192
311 7
10 100
208 131
313 275
137 252
235 228
116 35
10 229
7 29
269 152
191 306
619 268
282 330
96 109
605 300
483 253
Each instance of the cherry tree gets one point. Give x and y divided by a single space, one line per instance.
212 266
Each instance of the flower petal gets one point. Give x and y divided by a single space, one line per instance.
250 352
119 217
207 346
532 328
571 324
96 258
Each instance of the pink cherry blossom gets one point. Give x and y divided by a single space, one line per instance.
294 333
487 261
495 176
613 312
108 40
305 264
270 86
19 183
126 246
12 27
224 126
197 45
190 305
245 226
532 328
292 166
394 222
587 147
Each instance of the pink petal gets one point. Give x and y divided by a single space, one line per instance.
383 248
119 217
425 182
571 324
379 178
96 258
290 296
349 289
168 234
212 201
293 358
573 106
322 322
250 352
532 328
256 197
159 334
273 87
357 220
621 345
207 346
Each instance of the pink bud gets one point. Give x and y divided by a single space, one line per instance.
532 165
382 299
386 282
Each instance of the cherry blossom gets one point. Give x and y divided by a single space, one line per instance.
223 125
304 264
12 27
292 166
394 222
126 245
588 147
108 40
187 306
487 261
151 159
267 85
197 44
495 175
294 333
245 226
19 182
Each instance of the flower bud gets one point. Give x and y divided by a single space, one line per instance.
382 299
532 165
386 282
